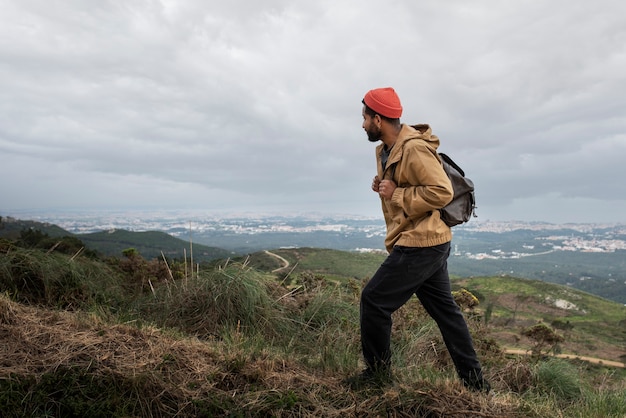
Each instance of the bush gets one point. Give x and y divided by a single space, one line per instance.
559 378
55 280
226 298
544 337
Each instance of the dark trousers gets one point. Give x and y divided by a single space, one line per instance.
423 272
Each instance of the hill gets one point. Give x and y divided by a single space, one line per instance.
150 244
589 259
11 228
112 243
85 337
594 326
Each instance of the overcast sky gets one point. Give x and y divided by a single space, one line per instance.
256 105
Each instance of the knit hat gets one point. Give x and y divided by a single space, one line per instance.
384 101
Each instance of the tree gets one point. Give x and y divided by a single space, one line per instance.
543 336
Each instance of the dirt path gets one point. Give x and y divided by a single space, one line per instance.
281 259
572 356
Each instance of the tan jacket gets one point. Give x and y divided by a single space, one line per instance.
412 214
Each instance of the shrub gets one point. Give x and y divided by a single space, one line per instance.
558 378
233 298
55 280
543 336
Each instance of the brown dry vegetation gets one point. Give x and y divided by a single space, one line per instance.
174 376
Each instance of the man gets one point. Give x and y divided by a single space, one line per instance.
412 186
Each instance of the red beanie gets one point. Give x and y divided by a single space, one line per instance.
384 101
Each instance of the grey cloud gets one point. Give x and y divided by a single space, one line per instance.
259 102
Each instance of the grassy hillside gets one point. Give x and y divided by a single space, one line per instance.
11 228
149 244
602 274
341 265
593 326
85 337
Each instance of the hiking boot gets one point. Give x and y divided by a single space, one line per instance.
369 378
476 382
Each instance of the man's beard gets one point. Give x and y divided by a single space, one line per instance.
374 135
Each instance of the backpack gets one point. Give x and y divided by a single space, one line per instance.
463 204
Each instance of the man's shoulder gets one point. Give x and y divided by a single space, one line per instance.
417 129
419 137
418 142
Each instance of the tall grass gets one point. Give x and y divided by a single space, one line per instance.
239 305
602 403
232 298
56 280
326 322
560 379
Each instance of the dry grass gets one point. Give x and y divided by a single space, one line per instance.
163 375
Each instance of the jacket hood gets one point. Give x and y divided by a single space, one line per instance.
409 132
422 131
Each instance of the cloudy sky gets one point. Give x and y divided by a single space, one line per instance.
247 105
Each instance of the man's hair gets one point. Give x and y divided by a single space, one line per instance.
369 111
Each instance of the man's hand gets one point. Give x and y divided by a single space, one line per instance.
384 188
375 184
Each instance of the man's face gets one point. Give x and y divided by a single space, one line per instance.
371 125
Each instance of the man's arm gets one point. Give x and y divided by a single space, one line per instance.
427 188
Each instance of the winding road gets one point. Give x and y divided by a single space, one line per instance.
279 258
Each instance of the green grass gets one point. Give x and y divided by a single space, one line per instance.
597 327
56 280
118 340
150 244
340 264
595 319
589 309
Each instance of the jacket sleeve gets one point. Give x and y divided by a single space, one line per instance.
423 185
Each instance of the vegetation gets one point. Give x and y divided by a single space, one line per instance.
599 273
126 337
592 326
151 244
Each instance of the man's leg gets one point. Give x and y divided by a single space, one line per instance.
436 297
397 279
